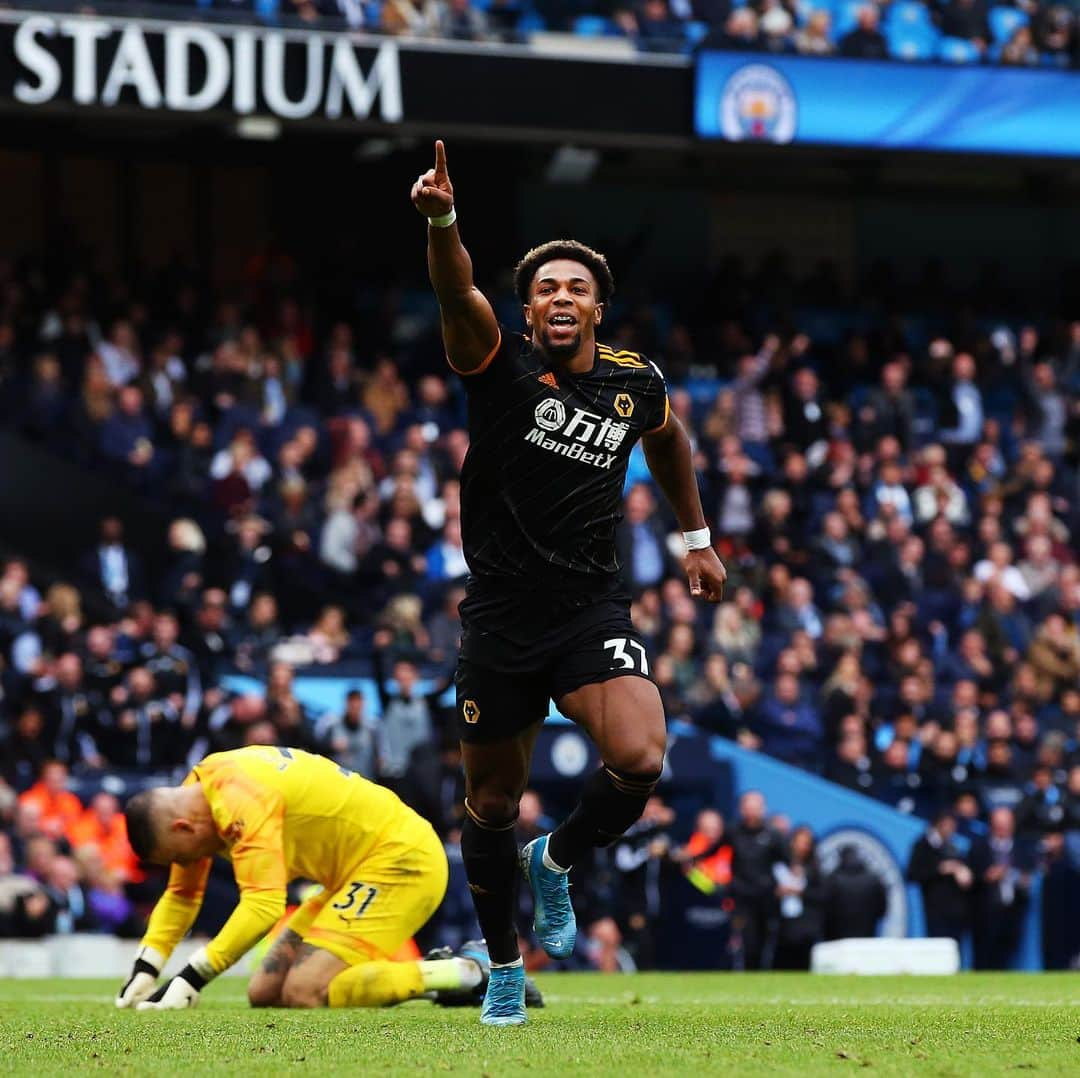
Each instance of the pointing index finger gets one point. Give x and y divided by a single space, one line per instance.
440 159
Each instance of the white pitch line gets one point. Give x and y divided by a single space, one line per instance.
653 1001
59 997
829 1001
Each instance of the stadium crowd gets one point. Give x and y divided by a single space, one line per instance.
896 507
1024 33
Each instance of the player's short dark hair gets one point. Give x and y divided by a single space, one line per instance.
141 825
594 261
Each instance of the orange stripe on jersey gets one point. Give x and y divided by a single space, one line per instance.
667 412
483 366
622 358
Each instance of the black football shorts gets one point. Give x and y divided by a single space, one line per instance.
497 700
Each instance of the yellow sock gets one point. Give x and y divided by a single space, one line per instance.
376 984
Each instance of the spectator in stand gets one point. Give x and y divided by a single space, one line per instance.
1019 50
145 726
657 28
408 745
72 715
57 807
814 38
1055 657
890 407
777 26
756 848
800 894
328 638
103 827
939 869
739 32
109 908
1056 34
866 41
706 857
641 540
351 736
173 667
183 580
854 898
966 19
639 858
1042 810
207 639
25 910
24 753
114 567
119 354
445 560
70 909
964 399
127 438
1003 870
789 725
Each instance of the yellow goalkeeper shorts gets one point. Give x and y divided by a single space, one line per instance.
382 903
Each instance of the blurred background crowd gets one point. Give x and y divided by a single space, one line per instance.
895 502
1026 33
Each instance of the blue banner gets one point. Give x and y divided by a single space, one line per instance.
962 109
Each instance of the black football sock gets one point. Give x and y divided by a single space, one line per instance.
611 801
490 854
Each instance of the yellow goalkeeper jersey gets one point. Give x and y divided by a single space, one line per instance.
283 814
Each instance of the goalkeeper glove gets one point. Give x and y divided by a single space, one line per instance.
144 975
183 990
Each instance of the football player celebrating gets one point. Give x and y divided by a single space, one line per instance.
553 416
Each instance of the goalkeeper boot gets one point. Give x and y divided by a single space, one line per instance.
553 915
476 951
504 1000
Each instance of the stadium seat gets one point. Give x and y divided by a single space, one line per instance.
845 17
531 22
908 14
695 32
373 14
912 42
594 26
958 50
1004 21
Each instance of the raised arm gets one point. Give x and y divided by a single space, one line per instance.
470 329
671 461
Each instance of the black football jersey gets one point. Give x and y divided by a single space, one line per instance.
541 487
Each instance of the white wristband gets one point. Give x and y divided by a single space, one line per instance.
200 963
445 221
697 540
154 958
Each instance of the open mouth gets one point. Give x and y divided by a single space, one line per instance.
562 321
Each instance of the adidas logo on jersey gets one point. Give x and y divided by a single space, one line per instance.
548 379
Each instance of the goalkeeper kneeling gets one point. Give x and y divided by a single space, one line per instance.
281 814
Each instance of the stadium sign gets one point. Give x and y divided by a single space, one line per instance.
187 67
885 105
195 70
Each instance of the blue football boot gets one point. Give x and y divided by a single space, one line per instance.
504 1000
553 914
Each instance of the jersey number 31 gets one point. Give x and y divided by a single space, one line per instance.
618 647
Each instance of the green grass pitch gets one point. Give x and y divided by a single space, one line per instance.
646 1024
